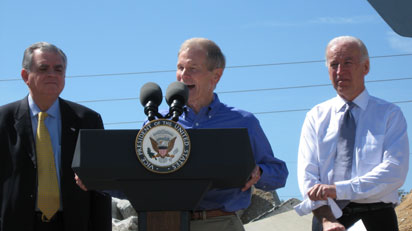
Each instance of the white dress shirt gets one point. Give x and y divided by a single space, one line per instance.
381 152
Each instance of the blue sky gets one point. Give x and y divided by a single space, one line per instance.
114 47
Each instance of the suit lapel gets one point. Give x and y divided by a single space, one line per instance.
70 129
23 126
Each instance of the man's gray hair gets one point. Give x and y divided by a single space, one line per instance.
215 57
42 46
349 39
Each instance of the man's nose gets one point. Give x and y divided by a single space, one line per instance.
185 74
340 68
52 72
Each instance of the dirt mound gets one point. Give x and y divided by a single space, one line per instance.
404 212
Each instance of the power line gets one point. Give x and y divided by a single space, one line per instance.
405 101
309 86
229 67
105 100
100 75
126 122
295 196
281 111
251 90
310 61
306 109
255 113
115 74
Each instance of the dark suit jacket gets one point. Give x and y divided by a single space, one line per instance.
18 174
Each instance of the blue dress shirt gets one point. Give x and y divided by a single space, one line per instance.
274 171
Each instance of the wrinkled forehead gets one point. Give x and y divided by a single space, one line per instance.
49 58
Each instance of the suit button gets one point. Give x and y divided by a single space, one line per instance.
31 196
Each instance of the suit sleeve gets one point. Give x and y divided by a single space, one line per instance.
101 211
101 203
2 161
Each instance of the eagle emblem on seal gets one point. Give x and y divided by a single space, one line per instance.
162 147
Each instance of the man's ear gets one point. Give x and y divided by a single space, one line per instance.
366 67
217 73
25 75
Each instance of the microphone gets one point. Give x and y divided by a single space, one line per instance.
177 95
151 97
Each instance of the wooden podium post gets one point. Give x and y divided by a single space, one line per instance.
165 220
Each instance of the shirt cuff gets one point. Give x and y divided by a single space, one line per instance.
343 190
307 206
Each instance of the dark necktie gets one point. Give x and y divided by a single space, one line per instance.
344 149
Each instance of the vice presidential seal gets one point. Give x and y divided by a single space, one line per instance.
162 146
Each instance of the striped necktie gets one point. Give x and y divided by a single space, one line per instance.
48 195
344 149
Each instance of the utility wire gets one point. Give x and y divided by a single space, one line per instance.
310 61
251 90
308 86
116 74
105 100
256 113
126 122
295 196
307 109
229 67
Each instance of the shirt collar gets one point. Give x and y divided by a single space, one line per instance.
53 111
361 101
214 106
209 110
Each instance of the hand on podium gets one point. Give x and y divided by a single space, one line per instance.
79 182
254 178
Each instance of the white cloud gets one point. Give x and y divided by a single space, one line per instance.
399 43
344 20
316 21
271 24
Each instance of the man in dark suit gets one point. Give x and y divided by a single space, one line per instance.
44 68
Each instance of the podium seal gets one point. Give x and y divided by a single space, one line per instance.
162 146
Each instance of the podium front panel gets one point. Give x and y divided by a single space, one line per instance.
219 158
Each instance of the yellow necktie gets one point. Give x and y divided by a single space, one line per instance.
48 198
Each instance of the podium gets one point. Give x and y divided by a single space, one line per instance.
219 158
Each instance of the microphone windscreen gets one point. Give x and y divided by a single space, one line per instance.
150 92
177 90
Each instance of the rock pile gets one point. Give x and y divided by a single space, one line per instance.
124 217
404 212
263 204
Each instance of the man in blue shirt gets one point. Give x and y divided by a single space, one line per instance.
200 66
